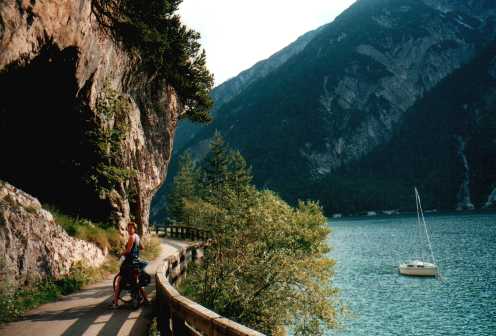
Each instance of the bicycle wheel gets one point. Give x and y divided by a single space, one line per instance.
123 298
136 298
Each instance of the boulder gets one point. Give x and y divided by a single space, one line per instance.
32 245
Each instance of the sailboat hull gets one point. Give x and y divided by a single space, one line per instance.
422 269
419 267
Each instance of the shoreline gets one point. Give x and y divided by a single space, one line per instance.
427 213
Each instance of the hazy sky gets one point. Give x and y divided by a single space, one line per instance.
238 33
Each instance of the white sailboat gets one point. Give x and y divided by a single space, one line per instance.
419 266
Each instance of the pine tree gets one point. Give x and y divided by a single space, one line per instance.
216 166
239 172
185 187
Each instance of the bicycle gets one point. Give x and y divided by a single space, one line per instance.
131 285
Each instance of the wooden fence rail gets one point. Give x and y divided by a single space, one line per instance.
179 316
183 232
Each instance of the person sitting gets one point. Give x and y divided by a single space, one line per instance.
131 261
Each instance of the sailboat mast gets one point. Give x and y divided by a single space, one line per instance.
425 226
418 228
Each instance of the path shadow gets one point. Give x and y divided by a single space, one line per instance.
89 294
92 316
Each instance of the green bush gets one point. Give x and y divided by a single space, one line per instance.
15 303
78 277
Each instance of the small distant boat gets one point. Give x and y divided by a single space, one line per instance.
419 266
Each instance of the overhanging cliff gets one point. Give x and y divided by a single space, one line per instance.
82 126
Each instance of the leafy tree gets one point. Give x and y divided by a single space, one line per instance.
185 187
267 267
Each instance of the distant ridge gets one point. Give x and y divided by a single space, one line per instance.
226 91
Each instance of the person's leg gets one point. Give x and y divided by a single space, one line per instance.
117 291
143 293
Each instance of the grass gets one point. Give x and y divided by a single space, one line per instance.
15 303
103 235
151 249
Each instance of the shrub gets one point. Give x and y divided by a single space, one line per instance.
15 303
78 276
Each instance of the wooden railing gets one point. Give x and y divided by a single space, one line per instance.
178 315
183 232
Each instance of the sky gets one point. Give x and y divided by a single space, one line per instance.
236 34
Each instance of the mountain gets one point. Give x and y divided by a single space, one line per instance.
223 93
320 124
445 145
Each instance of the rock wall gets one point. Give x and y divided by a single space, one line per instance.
32 245
153 108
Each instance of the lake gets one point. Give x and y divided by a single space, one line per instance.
382 302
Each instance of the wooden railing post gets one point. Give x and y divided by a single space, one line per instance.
194 255
166 323
159 308
178 326
163 314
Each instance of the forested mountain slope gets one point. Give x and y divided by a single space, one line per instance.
313 127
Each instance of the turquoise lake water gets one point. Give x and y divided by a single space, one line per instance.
367 252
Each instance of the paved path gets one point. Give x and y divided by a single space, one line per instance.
87 312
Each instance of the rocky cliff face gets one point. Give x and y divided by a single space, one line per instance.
81 127
32 245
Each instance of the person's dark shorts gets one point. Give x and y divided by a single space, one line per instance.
126 272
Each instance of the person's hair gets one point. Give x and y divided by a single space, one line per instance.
133 224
